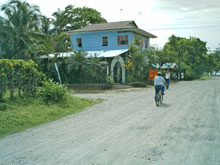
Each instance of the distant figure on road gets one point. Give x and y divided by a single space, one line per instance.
159 84
167 78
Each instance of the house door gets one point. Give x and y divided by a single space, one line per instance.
117 73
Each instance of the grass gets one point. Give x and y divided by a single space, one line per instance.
205 77
23 113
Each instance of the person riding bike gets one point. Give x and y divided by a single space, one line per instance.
159 83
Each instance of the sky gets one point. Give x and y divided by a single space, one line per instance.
163 18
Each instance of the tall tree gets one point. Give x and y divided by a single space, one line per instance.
19 28
189 55
159 56
73 18
215 56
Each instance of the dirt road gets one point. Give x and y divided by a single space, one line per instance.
128 129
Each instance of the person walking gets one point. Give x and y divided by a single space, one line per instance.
167 79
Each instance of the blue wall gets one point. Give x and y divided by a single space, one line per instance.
145 40
92 41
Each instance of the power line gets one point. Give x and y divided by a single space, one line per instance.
203 23
193 27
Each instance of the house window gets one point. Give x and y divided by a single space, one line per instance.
142 43
104 41
123 40
146 43
79 42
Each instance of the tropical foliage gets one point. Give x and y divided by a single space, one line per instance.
19 26
84 69
26 34
51 91
74 18
189 54
19 75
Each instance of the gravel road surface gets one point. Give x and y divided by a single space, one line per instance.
128 129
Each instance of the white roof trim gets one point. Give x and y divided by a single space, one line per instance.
107 53
62 54
102 53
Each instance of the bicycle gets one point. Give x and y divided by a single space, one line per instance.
159 98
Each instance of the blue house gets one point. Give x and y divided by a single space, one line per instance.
110 41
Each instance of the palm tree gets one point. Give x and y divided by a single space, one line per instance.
96 69
21 26
78 61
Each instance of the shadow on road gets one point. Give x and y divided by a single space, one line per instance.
165 105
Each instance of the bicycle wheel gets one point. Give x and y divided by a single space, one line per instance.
158 100
161 99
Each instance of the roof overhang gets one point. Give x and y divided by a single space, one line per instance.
59 55
144 33
100 54
107 53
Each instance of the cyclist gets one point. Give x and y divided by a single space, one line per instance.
159 83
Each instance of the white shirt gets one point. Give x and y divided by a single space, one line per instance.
159 80
167 76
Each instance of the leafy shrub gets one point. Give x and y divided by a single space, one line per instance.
52 91
109 79
205 77
190 74
109 82
4 106
18 74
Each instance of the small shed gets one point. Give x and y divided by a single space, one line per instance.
166 66
171 67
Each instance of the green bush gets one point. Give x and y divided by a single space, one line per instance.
4 106
18 75
205 77
109 79
51 91
108 82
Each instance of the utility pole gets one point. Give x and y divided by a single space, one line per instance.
58 73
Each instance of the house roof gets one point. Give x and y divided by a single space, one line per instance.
165 66
124 25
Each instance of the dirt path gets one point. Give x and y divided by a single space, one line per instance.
128 129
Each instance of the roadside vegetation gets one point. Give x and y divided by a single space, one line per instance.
205 77
28 98
22 113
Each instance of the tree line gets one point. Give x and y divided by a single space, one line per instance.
190 54
26 34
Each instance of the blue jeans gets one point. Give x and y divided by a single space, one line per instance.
168 82
157 88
